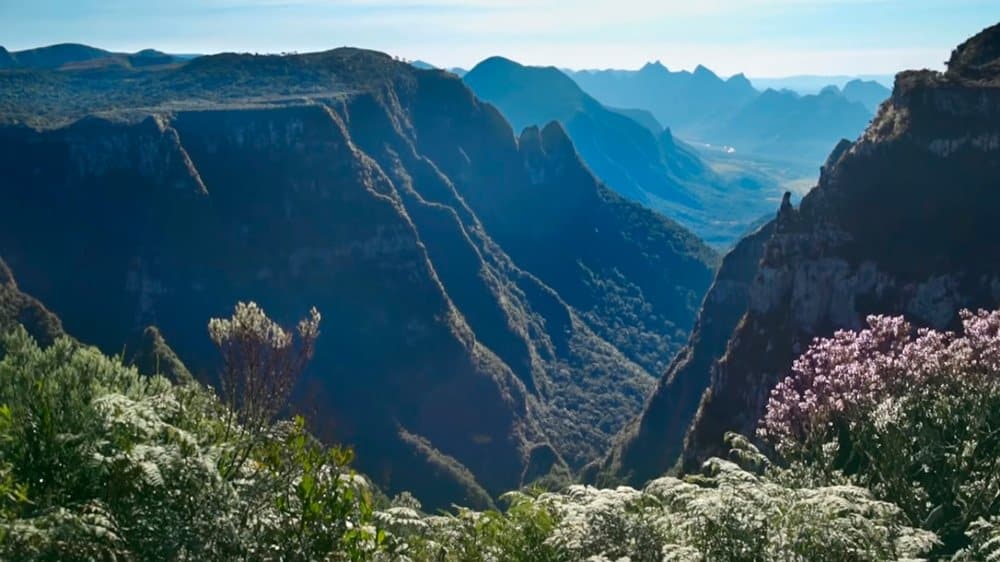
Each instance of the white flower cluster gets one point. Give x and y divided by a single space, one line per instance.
250 322
726 514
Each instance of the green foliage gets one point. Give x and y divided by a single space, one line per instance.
100 462
105 458
729 513
320 513
984 541
912 415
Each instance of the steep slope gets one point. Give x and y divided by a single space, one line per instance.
650 445
642 117
395 202
650 168
904 221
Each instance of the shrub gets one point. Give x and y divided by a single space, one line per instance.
100 462
728 513
912 414
261 362
105 460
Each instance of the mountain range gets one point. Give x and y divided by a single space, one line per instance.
701 107
625 149
869 93
812 84
74 55
493 313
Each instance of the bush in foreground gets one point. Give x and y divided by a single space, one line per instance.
100 462
913 415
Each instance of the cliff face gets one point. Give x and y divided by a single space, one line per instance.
408 213
904 221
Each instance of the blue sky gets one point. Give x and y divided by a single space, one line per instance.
758 37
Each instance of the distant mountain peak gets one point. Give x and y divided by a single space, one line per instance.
703 71
771 93
655 66
496 60
741 82
556 140
422 65
529 95
869 93
55 56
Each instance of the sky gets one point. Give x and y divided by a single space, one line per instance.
760 38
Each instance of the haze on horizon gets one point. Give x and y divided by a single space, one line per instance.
760 38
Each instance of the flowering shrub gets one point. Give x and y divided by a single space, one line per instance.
912 414
261 362
727 514
100 462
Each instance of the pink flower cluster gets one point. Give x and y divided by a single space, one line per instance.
853 375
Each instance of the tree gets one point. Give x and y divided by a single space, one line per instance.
261 364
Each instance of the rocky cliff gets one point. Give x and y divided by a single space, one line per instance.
470 342
903 221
